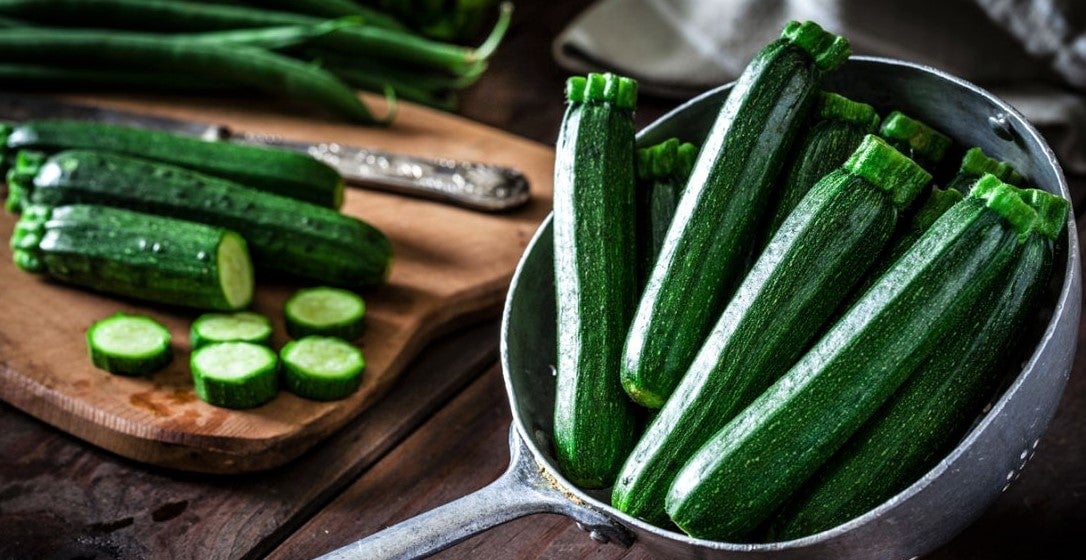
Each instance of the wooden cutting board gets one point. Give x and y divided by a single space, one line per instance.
450 266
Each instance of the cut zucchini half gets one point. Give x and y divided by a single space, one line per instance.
322 368
243 326
235 374
129 344
235 270
325 311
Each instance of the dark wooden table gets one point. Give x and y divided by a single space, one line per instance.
61 498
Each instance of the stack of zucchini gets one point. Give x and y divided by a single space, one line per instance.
184 222
315 52
819 320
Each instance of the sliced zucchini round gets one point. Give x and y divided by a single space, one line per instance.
235 374
129 344
325 311
321 368
243 326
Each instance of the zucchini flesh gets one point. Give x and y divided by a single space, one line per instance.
282 172
325 311
235 374
929 412
595 276
284 235
321 368
706 246
745 471
243 326
805 272
662 171
840 124
153 258
129 345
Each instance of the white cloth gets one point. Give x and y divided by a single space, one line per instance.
1030 52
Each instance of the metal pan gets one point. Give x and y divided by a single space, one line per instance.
916 521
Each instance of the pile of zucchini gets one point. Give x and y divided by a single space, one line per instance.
316 52
804 317
183 222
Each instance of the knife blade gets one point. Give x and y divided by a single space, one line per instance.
477 186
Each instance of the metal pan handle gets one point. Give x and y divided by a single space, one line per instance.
523 489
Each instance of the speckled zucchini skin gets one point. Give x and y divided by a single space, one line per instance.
747 469
714 225
595 276
783 304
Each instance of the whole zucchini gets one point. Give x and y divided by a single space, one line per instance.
839 125
938 402
282 172
746 470
706 246
284 235
594 275
137 255
782 305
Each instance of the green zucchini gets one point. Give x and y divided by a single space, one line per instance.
285 235
922 143
235 374
747 469
706 246
975 164
931 411
325 311
136 255
783 304
322 368
290 174
594 275
129 344
243 326
839 125
662 171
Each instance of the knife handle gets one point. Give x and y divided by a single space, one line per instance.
477 186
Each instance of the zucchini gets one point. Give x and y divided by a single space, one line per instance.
284 235
321 368
325 311
594 275
235 374
137 255
662 171
243 326
706 246
932 410
290 174
839 126
749 467
975 164
783 304
129 344
922 143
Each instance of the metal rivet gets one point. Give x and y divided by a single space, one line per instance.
598 536
1001 126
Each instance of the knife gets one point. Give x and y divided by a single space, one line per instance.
477 186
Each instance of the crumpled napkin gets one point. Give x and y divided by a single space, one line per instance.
1032 53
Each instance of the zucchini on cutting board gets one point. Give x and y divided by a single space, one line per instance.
451 266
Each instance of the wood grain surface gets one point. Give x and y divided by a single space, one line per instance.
450 265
